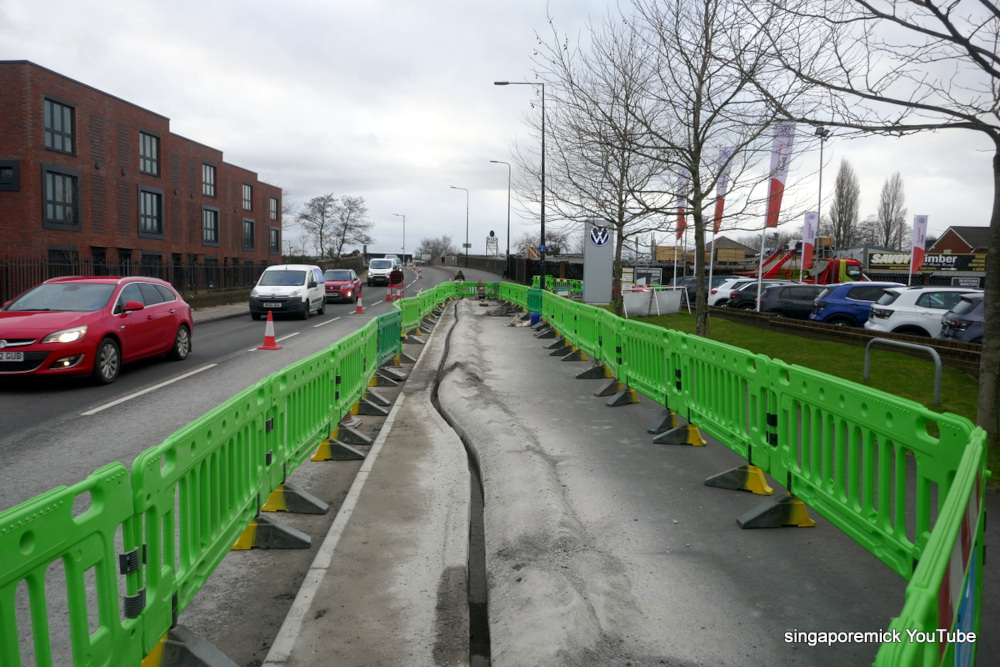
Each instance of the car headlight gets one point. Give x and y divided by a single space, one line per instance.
296 292
253 293
66 335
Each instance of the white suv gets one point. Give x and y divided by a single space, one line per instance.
914 310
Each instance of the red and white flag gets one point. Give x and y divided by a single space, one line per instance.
781 156
919 236
723 185
809 239
682 195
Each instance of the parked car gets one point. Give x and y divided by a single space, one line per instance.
848 304
794 301
396 260
690 284
80 326
379 270
746 296
914 310
721 295
965 321
297 289
342 285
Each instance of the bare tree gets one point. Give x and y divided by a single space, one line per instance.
897 67
351 224
844 207
437 247
891 213
317 218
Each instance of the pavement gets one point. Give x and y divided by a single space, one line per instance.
599 547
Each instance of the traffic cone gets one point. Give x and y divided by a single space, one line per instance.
388 293
269 343
358 310
420 275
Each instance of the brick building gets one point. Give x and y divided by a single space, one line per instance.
92 183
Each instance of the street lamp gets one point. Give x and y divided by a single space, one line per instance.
403 216
507 265
466 223
541 242
822 133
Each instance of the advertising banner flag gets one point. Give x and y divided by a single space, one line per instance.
781 156
723 185
809 239
682 194
919 236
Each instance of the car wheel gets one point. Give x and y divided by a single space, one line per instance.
322 307
305 311
107 362
747 306
777 313
841 322
182 344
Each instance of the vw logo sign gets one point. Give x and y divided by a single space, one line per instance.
599 236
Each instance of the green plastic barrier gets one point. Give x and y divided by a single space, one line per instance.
410 309
534 300
43 536
390 332
726 392
645 360
514 293
195 493
587 331
358 363
303 402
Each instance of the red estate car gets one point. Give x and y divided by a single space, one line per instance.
342 285
79 326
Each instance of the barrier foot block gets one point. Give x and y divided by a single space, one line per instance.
404 357
414 340
576 355
376 397
180 646
267 533
392 374
332 449
366 407
350 436
288 498
626 396
681 435
525 317
557 343
666 421
596 372
546 333
786 510
611 388
563 351
379 380
745 478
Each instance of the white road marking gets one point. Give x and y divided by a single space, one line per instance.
326 322
146 391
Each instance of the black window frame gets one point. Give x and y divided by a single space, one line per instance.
12 182
252 237
274 208
149 164
144 193
52 222
247 197
274 240
205 210
56 137
209 179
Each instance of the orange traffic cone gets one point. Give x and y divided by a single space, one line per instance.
358 310
269 343
388 293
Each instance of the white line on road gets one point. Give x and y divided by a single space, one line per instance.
146 391
278 340
326 322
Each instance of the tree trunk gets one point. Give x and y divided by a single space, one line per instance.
988 407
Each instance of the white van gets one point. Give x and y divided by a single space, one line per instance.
297 289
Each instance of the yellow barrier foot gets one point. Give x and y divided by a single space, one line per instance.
745 478
180 646
576 355
610 388
287 498
626 396
786 510
681 435
596 372
267 533
335 450
667 420
366 407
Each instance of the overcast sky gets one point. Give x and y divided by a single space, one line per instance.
394 101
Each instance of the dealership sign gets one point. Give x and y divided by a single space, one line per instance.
933 262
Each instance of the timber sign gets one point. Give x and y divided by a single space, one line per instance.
933 262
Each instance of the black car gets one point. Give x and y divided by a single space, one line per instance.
795 301
746 296
965 321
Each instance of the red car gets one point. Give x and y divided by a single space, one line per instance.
342 285
81 326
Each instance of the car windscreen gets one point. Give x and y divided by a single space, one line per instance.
333 275
76 297
888 297
966 304
282 278
381 264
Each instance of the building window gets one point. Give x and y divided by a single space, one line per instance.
62 198
274 241
149 154
10 177
59 129
248 234
210 226
274 208
150 213
247 197
208 180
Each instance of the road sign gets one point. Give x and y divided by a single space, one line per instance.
541 248
466 245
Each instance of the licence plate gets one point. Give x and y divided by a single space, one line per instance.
271 304
11 356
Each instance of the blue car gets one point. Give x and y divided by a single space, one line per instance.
847 304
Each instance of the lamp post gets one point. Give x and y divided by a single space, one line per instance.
507 265
403 216
822 133
541 240
466 223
